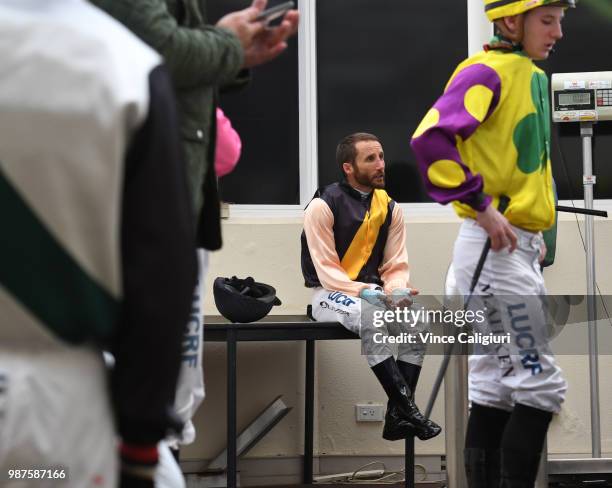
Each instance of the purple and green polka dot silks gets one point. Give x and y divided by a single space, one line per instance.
490 131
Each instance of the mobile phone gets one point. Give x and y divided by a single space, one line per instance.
275 12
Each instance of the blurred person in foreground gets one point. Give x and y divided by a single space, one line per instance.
201 59
100 252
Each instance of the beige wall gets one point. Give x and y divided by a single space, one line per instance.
268 249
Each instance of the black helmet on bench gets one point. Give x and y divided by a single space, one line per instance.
243 300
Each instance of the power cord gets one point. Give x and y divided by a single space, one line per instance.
363 476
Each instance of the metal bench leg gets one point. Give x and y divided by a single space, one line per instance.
309 412
231 409
409 462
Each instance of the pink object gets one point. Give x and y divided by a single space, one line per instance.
228 147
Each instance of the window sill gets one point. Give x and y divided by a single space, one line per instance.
413 212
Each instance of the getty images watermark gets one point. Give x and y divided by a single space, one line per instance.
412 327
500 325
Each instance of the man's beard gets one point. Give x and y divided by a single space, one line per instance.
372 182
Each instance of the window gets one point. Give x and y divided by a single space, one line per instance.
380 73
265 114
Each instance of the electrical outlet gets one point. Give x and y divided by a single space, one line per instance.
369 412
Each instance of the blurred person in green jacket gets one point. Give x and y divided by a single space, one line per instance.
201 58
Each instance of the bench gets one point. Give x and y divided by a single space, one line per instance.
281 328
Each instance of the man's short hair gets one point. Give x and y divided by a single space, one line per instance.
346 152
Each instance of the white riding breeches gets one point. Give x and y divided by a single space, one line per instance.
509 289
336 306
190 390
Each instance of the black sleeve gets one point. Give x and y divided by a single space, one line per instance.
159 272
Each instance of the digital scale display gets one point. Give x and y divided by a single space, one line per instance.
581 97
574 99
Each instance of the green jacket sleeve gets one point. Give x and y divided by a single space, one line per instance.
195 56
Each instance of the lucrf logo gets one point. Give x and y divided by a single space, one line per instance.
339 297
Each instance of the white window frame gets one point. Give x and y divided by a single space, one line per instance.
480 31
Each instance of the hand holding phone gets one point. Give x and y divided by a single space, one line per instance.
275 12
260 41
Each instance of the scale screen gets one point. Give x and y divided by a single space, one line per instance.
574 99
581 97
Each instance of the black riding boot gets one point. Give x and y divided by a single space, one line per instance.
522 446
411 373
403 418
483 438
482 467
518 469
